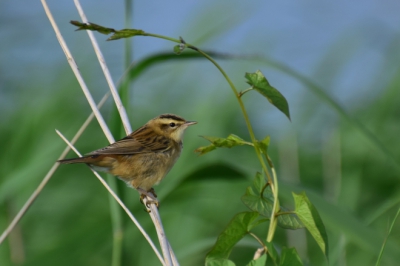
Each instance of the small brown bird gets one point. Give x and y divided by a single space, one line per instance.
144 157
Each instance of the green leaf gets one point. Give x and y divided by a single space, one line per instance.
205 149
237 228
272 252
118 34
263 145
92 27
289 220
229 142
258 262
289 257
219 262
261 84
125 33
178 49
259 183
263 204
308 214
257 202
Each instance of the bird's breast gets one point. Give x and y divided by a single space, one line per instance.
146 169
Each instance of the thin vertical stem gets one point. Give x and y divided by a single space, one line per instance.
165 247
102 61
274 219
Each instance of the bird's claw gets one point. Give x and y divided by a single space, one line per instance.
148 197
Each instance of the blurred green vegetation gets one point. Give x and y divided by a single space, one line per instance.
351 181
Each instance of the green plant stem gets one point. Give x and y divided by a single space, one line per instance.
275 209
161 37
274 183
259 241
246 90
378 262
246 117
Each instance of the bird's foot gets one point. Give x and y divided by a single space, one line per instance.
149 194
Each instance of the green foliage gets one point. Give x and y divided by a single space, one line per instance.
92 27
125 33
258 262
308 214
290 257
229 142
238 227
259 198
178 49
272 253
263 145
118 34
258 81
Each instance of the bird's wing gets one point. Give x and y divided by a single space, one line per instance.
142 140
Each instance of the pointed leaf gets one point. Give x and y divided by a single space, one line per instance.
290 257
118 34
261 205
263 145
261 84
238 227
309 215
259 183
264 204
258 262
219 262
92 27
229 142
273 254
260 221
289 220
205 149
178 49
252 198
125 33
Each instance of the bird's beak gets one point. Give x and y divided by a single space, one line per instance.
189 123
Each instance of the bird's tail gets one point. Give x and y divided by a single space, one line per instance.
85 159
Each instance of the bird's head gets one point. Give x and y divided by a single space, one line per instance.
170 126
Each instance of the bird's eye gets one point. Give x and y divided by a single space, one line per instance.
172 124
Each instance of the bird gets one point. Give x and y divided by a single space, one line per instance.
144 157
